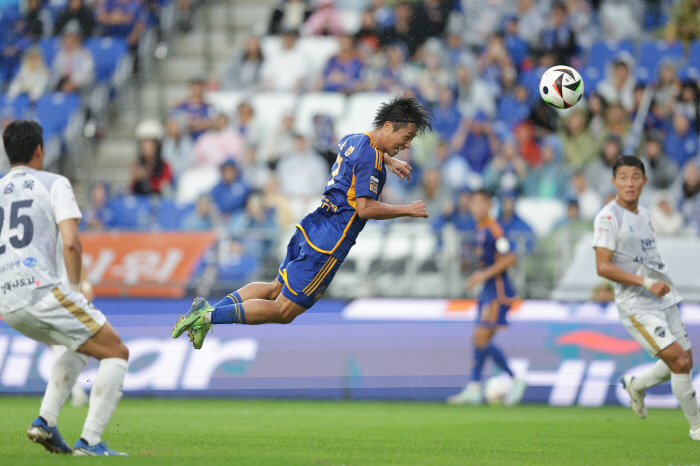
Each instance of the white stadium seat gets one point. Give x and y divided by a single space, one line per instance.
315 103
224 101
271 107
195 182
542 214
317 51
361 108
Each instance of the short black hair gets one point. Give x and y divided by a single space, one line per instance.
628 161
487 193
401 111
21 138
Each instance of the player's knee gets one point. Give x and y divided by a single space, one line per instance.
682 365
122 352
286 317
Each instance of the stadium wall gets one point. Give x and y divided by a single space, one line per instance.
570 354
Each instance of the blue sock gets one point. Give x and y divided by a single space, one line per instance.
498 358
231 314
479 359
233 298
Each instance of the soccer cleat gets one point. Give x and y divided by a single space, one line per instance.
194 319
51 439
695 434
197 335
470 395
636 397
101 449
516 392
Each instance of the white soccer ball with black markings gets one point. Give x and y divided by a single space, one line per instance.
561 87
496 389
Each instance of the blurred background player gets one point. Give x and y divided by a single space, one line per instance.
625 250
39 305
323 238
494 252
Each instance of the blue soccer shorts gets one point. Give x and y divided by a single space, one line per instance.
305 273
492 314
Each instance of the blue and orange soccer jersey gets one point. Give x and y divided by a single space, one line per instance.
498 293
324 237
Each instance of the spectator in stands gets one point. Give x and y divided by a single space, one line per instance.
617 121
558 39
76 11
473 94
198 112
582 19
655 119
528 146
685 21
549 180
599 172
246 124
243 72
432 192
324 140
280 142
494 63
458 215
454 170
343 71
237 264
289 15
177 145
220 143
580 147
433 76
476 141
667 88
203 217
603 293
254 171
150 174
507 170
367 38
97 214
457 53
325 21
665 219
589 201
514 107
256 227
231 193
446 115
38 19
660 170
689 104
433 15
73 68
531 22
32 78
515 228
573 220
404 30
17 36
619 82
388 77
291 60
515 45
302 173
122 18
681 143
275 200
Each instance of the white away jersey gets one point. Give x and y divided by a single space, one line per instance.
633 241
32 204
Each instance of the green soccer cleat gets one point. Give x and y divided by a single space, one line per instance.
193 321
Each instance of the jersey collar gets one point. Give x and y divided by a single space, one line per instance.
20 167
371 141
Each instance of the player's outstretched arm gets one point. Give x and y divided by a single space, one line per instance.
606 269
369 209
398 167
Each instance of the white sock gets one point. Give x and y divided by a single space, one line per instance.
64 373
105 394
659 373
682 386
207 318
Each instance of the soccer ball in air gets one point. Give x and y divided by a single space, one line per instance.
561 87
496 389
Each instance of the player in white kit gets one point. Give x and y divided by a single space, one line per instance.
625 248
34 207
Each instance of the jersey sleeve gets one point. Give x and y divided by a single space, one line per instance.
63 201
605 231
367 173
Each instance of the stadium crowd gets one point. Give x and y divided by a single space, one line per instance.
476 64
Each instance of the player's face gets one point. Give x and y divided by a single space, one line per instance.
400 139
629 182
479 207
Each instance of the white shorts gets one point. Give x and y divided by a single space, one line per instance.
62 317
656 330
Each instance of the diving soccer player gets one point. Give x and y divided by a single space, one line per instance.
324 237
35 206
625 251
495 257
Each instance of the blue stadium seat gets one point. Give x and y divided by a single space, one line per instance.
531 80
107 52
16 108
130 213
54 111
170 214
651 56
693 68
601 53
49 47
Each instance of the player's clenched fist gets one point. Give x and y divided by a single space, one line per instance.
417 209
659 289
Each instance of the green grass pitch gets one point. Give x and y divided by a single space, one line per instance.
273 432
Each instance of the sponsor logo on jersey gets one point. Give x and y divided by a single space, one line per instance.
30 262
28 184
19 280
319 293
7 267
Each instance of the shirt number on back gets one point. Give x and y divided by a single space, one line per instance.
15 221
338 161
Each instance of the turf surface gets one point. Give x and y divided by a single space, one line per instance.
255 432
